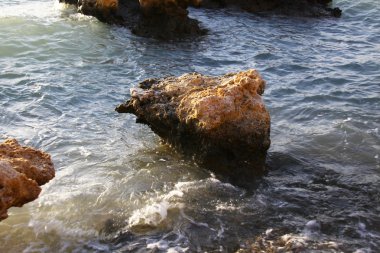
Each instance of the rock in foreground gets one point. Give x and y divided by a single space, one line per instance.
221 120
22 170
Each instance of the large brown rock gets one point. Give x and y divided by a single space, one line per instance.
221 120
22 170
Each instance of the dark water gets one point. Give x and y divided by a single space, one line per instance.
118 189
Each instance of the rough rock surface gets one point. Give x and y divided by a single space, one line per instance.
222 120
22 170
104 10
168 19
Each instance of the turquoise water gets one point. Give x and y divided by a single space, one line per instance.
119 189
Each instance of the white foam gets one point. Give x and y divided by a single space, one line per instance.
84 152
155 215
365 250
61 228
173 193
226 207
161 245
151 216
177 250
348 119
205 183
32 9
312 227
268 231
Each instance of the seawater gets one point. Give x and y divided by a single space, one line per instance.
119 189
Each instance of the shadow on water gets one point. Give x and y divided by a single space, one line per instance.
294 191
343 205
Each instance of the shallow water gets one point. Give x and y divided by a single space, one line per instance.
117 188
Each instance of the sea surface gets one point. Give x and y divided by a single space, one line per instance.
118 188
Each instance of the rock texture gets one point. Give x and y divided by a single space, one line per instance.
168 19
222 120
22 170
104 10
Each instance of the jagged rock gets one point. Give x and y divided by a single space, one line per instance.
104 10
221 120
22 170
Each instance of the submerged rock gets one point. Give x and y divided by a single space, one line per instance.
221 120
274 241
22 170
168 19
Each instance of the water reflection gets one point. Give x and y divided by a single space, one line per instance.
63 74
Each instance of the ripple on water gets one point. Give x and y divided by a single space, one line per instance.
63 73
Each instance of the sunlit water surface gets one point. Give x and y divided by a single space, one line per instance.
62 74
